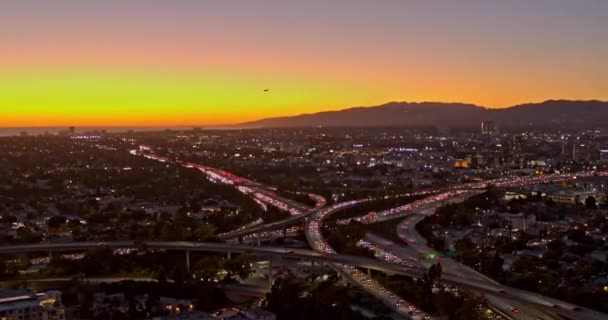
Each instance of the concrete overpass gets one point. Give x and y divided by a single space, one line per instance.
567 309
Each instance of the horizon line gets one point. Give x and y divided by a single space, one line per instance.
167 126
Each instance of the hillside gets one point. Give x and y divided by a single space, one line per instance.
548 113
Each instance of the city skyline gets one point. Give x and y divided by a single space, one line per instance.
151 63
297 160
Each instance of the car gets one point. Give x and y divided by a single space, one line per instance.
503 291
515 310
291 252
577 309
557 306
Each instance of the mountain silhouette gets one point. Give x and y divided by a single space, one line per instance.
566 113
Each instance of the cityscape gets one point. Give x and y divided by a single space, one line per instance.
211 160
402 222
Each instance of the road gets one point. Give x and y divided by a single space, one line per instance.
299 212
509 181
392 252
265 252
90 280
259 192
462 278
507 302
316 240
417 249
280 224
322 257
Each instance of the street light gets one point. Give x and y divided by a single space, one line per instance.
487 312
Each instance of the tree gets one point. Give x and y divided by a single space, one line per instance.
28 236
57 222
2 267
206 268
465 248
284 295
98 219
435 272
237 266
291 298
204 232
590 202
74 223
458 307
491 264
8 219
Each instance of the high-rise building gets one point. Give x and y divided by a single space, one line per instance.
513 150
489 128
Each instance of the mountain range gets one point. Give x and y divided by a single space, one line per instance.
551 113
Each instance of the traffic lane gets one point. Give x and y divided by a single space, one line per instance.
548 304
307 254
407 231
412 256
266 227
317 242
388 251
216 247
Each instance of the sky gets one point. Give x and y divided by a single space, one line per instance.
207 62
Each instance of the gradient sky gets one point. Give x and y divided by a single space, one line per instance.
197 62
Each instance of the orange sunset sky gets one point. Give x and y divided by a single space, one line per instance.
207 62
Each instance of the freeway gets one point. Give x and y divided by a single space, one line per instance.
258 191
261 193
460 276
317 242
509 181
315 217
93 280
516 300
322 257
280 224
389 251
298 218
417 248
299 212
346 263
412 255
303 254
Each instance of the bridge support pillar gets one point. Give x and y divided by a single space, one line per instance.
258 239
285 232
369 272
229 254
270 274
188 261
50 256
241 240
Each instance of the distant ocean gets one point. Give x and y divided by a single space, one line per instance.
33 131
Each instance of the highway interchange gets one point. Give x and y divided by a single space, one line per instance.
510 302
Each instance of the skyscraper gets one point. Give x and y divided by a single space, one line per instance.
489 128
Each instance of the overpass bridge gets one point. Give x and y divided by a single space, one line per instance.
567 309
